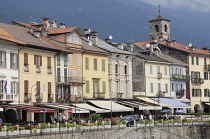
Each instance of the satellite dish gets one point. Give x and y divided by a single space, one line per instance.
190 44
90 43
110 37
148 45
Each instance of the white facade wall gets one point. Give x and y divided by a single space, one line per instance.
152 80
8 75
120 83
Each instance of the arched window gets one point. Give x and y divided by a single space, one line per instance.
166 28
156 28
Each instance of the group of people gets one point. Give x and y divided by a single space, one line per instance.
61 118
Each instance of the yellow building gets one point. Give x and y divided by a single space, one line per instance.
95 72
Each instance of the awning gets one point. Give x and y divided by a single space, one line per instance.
30 108
207 104
139 105
173 102
89 107
146 99
110 105
64 107
183 100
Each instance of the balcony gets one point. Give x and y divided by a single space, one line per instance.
39 97
207 67
180 77
159 75
27 97
68 98
38 69
8 97
197 80
72 80
119 95
180 93
99 95
50 98
26 68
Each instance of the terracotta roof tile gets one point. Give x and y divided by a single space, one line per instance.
185 48
178 46
7 36
144 42
60 30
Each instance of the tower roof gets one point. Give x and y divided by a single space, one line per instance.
159 18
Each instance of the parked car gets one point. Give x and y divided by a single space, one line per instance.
130 119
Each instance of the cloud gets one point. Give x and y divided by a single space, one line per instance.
199 5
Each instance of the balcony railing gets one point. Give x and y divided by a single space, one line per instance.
38 69
68 98
180 93
207 67
159 75
39 97
8 97
197 80
180 77
27 97
99 94
119 95
79 80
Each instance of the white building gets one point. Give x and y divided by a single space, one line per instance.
120 71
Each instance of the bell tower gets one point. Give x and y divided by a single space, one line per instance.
159 28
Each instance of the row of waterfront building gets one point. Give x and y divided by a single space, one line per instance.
41 63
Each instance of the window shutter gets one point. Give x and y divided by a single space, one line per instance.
11 87
40 60
48 61
25 86
49 88
38 86
65 75
34 59
103 65
58 75
70 59
5 60
11 59
86 63
79 59
104 87
17 61
87 86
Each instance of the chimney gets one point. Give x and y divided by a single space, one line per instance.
62 25
87 31
151 48
44 32
54 24
170 43
45 22
174 41
36 33
120 46
205 48
107 40
94 37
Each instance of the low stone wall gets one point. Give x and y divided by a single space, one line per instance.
164 132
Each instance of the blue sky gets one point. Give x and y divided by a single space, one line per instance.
199 5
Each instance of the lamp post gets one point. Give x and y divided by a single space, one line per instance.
112 96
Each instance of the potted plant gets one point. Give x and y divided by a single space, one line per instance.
39 99
50 99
